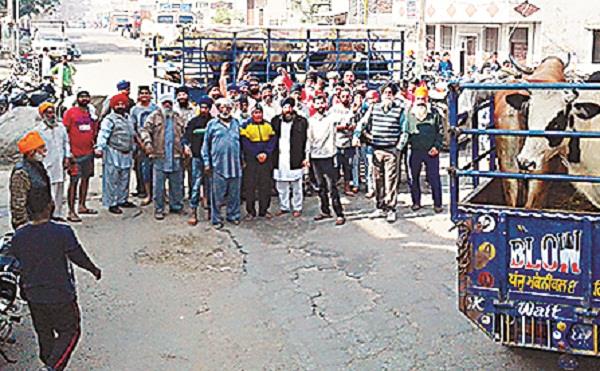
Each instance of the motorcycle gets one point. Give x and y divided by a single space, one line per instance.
11 305
17 93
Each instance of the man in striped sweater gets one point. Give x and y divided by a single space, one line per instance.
385 129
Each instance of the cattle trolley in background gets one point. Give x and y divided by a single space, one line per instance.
375 55
526 278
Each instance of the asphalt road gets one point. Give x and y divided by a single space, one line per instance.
277 295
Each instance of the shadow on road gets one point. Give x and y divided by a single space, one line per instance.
105 48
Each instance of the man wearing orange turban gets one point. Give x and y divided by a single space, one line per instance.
58 155
28 177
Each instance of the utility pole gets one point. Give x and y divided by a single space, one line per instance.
13 13
421 38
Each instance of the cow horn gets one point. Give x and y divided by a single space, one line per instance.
520 68
568 60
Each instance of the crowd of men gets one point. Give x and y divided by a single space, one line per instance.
241 141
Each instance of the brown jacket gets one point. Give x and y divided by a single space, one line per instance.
153 133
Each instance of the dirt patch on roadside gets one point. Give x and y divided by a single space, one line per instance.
209 252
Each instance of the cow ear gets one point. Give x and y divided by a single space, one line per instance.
586 111
517 101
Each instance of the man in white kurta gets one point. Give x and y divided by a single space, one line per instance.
59 154
291 157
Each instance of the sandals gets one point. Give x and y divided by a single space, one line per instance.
74 219
87 211
321 217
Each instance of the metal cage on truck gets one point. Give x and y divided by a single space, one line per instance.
502 289
374 54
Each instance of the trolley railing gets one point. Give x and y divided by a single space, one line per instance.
456 172
382 54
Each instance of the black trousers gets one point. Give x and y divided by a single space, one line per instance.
345 156
258 183
139 179
327 177
58 327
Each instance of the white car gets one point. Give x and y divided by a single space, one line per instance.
56 44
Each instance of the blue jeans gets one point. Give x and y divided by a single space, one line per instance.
366 156
221 188
146 168
197 178
175 179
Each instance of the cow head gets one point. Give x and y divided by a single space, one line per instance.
554 111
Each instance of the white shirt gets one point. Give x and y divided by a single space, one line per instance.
283 173
57 144
342 116
321 136
46 66
270 111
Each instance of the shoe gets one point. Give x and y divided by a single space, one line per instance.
340 221
267 216
348 191
378 213
193 220
322 217
127 205
370 194
416 207
159 215
234 222
438 209
391 217
146 201
354 190
141 195
249 217
281 212
297 214
115 210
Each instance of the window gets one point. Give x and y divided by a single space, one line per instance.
490 40
430 35
446 37
519 43
596 47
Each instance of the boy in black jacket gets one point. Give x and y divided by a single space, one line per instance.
46 251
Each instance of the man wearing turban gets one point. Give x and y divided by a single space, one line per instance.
115 146
28 177
58 157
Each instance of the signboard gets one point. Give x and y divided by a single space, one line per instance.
525 9
411 9
547 258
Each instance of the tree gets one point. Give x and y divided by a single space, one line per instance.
33 6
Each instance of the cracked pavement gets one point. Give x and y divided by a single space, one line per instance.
285 294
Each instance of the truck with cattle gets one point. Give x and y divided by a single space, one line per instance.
375 55
529 229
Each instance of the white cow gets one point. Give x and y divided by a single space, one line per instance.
565 111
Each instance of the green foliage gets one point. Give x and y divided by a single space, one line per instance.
37 6
33 6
